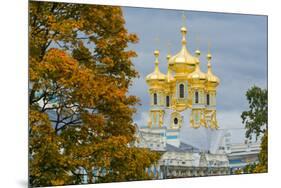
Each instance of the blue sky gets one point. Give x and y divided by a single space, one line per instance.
238 46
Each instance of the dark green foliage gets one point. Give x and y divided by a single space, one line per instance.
255 119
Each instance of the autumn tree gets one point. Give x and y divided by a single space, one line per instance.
262 166
255 120
80 113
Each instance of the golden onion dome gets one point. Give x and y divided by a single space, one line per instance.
210 76
184 56
197 74
156 74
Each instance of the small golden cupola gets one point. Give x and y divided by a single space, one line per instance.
156 75
211 78
211 87
182 62
197 81
197 75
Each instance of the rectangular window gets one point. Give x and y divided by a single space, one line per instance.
196 97
181 91
155 99
208 99
168 101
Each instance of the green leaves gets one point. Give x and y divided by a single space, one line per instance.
255 118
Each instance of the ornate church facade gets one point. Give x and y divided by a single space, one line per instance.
183 125
184 87
182 120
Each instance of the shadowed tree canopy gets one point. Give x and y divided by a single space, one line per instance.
262 166
256 123
80 115
255 119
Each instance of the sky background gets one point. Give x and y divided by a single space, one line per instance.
238 47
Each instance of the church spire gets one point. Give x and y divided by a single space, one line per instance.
156 55
183 30
210 76
170 77
197 51
156 62
209 58
169 52
183 62
156 74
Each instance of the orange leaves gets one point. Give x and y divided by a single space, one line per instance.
33 70
108 61
58 182
120 93
59 60
80 112
44 147
39 122
57 67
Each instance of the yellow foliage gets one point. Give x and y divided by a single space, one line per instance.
80 112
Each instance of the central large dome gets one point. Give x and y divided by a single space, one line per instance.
183 61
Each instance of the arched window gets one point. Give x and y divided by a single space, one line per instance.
167 101
208 99
196 97
181 91
155 99
176 121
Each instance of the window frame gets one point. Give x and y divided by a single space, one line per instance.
208 99
196 95
167 101
176 121
181 90
155 101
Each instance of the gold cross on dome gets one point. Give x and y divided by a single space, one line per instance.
183 19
